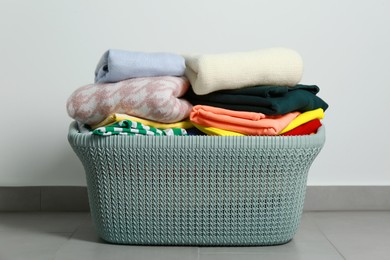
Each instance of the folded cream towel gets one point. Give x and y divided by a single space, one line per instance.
274 66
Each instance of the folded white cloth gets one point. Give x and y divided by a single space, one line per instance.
274 66
117 65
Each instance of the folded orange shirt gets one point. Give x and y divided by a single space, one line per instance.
248 123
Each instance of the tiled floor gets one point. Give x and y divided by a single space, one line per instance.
322 235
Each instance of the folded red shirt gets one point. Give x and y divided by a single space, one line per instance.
310 127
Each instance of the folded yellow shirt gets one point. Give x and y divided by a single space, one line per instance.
113 118
304 118
216 131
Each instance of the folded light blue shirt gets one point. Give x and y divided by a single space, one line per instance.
117 65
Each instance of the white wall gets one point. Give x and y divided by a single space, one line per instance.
49 48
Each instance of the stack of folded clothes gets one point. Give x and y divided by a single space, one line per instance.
134 93
249 93
252 93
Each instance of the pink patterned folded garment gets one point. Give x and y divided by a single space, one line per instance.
152 98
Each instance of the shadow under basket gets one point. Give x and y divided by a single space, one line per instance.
196 190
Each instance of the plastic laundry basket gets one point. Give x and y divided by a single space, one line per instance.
196 190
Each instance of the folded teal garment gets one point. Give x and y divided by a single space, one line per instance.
263 99
118 65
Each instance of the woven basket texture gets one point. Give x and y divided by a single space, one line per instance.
196 190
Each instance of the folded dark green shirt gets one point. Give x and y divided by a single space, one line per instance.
269 100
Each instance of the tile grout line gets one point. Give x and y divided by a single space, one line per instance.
62 245
326 237
40 199
70 237
79 226
334 246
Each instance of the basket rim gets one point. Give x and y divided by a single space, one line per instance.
77 139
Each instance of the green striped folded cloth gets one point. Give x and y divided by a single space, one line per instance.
127 127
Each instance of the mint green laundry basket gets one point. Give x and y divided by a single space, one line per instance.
196 190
